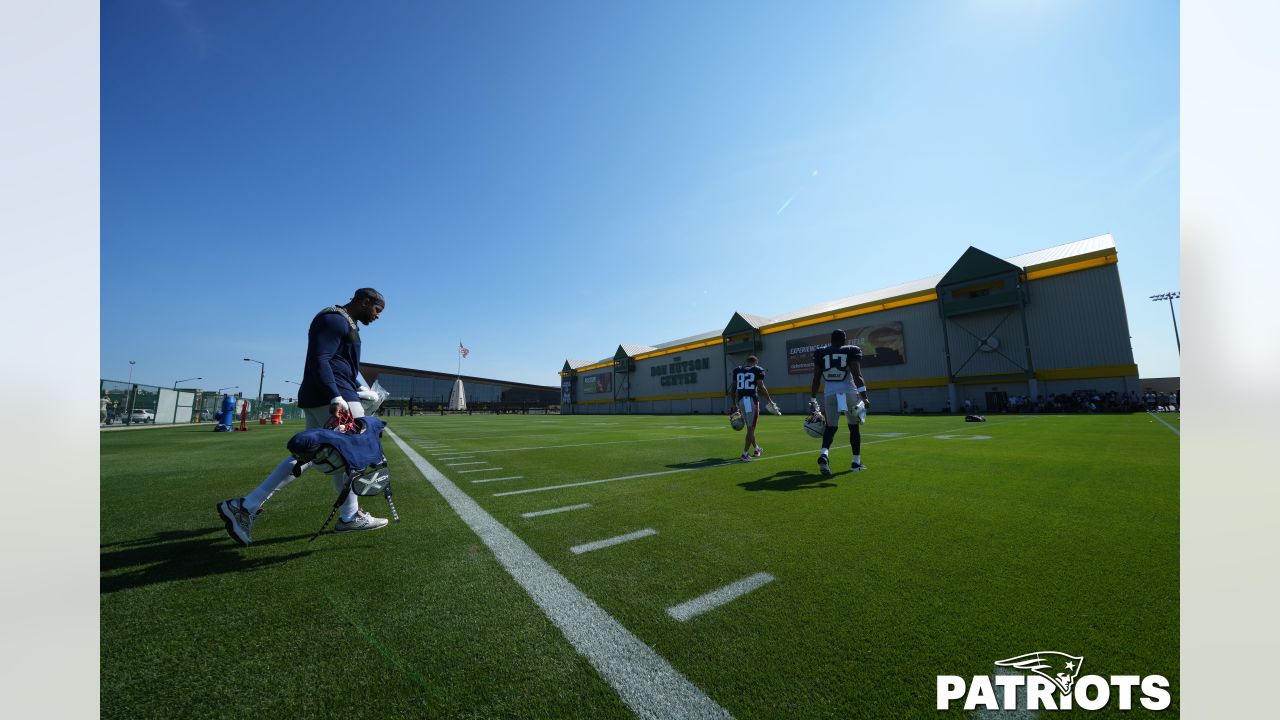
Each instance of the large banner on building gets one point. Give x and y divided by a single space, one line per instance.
598 384
881 345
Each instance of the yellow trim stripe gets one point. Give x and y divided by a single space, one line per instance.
686 396
1070 267
1097 371
681 348
923 296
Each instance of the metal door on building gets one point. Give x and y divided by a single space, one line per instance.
997 401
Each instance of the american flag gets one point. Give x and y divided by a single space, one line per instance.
465 352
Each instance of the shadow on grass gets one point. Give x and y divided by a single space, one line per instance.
788 480
182 555
695 464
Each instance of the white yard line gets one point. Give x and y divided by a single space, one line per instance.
473 462
1162 422
480 470
645 682
685 611
552 511
513 477
610 542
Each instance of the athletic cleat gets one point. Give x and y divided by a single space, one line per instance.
745 458
857 467
239 521
758 451
824 466
360 521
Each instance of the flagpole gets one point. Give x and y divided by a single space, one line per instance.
459 358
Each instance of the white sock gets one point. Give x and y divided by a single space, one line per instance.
281 476
824 452
351 505
857 459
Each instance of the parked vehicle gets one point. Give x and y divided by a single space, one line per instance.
142 416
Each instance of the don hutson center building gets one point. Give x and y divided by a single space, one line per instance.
1051 321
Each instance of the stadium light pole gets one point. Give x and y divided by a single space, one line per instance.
1171 296
128 406
262 373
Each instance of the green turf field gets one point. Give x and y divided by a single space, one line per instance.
1045 533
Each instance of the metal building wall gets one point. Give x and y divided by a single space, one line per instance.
1078 320
965 331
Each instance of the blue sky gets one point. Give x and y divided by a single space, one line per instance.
548 180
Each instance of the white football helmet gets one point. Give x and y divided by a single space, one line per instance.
737 421
773 408
815 424
858 413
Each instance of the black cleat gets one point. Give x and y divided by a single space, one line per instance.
824 467
857 467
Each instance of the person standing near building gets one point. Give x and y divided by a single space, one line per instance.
329 386
747 385
102 412
838 368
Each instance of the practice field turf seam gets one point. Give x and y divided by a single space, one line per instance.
610 442
644 680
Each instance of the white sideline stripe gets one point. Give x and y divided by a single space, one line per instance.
513 477
712 467
646 682
609 542
1162 422
474 462
552 511
479 470
714 599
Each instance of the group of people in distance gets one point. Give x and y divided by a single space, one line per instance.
837 368
331 388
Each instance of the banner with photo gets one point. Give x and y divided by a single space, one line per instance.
881 345
597 384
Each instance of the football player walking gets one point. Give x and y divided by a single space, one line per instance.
329 385
747 385
838 368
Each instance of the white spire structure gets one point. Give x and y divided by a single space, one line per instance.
458 398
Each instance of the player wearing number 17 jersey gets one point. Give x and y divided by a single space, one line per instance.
838 367
747 383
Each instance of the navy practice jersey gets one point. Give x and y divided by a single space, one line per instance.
747 380
835 364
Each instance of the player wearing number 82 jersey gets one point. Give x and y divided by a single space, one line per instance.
746 385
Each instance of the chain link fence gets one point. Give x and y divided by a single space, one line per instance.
122 403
